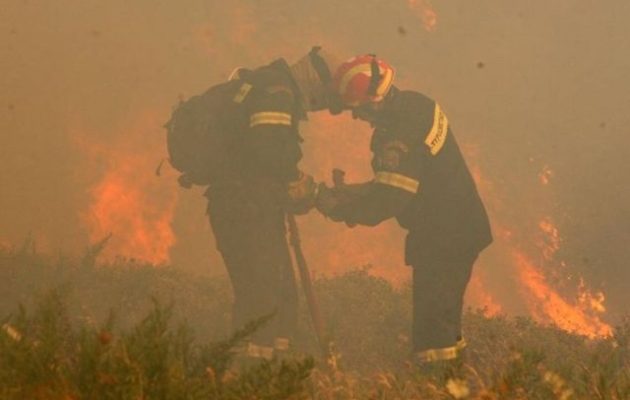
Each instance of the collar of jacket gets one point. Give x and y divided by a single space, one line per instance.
387 115
281 65
390 98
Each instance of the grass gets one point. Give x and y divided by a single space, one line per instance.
72 329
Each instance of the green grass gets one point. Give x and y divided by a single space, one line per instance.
74 330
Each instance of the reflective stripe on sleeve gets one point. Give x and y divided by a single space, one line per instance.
398 181
437 135
269 118
445 353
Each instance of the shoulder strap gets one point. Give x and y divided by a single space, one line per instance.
242 92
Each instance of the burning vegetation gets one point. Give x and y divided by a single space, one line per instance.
98 335
128 202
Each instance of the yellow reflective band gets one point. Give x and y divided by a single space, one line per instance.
383 88
281 343
242 93
255 351
270 118
437 136
354 71
446 353
398 181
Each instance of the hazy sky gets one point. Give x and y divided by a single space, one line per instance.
531 87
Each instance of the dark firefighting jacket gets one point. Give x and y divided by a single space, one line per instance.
420 178
266 146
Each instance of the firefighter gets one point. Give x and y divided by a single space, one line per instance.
421 179
248 205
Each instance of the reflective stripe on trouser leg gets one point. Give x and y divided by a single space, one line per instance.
442 354
281 343
253 350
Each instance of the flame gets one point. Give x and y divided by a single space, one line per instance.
545 175
547 306
129 201
424 10
550 243
542 301
591 301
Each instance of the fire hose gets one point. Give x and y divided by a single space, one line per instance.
307 286
326 346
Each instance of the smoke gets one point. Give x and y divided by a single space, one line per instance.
535 91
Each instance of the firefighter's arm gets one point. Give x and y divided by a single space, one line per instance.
368 203
273 141
394 185
301 194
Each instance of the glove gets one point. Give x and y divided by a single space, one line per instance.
328 201
332 202
301 194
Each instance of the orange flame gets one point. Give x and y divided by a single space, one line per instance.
545 175
129 201
591 301
551 239
547 306
541 300
424 10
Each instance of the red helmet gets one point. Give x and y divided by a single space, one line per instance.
363 79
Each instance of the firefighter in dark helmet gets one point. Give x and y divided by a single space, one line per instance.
248 203
421 179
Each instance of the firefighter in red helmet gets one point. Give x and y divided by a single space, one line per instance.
421 179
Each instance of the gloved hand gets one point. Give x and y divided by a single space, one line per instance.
328 202
301 194
337 203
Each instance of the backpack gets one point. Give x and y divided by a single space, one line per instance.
203 130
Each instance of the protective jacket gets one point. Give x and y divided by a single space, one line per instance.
265 127
421 179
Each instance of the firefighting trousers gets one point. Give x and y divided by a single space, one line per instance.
250 233
439 284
